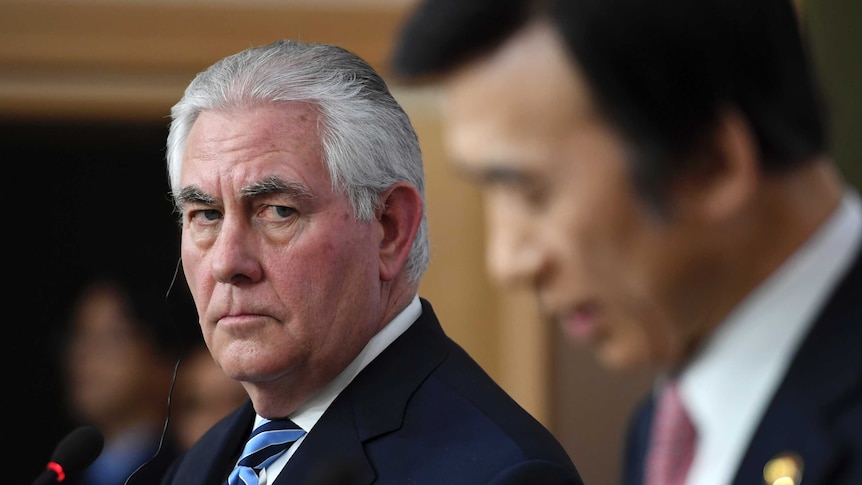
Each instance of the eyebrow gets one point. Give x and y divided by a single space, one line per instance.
193 194
498 173
276 185
268 186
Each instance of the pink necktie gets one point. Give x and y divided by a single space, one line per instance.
672 441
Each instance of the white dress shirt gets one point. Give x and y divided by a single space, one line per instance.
728 386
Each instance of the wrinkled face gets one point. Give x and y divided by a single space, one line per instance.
285 280
561 210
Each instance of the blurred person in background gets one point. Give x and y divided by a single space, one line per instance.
120 353
203 395
659 173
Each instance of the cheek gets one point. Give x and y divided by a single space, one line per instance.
619 241
623 257
348 280
602 238
642 276
326 271
192 267
659 261
188 255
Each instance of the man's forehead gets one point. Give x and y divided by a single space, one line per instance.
515 106
529 79
534 51
254 150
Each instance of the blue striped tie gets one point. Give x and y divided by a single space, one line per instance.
267 442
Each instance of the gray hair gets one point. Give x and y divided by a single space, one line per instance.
368 141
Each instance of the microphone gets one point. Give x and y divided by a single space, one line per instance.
75 452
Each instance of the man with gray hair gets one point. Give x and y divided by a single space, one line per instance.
300 185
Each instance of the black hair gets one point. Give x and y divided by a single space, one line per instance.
443 34
662 72
158 303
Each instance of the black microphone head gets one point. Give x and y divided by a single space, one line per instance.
79 449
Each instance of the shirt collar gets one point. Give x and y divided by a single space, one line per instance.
728 385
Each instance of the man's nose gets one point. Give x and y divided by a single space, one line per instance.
235 257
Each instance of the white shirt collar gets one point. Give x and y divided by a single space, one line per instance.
729 384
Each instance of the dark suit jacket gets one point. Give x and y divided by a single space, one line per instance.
816 412
423 412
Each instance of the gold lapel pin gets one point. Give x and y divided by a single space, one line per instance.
784 469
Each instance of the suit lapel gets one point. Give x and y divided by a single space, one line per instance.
372 405
797 420
637 442
827 369
235 435
213 457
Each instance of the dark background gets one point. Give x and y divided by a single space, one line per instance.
80 195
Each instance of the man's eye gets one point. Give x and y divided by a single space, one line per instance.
282 211
536 196
206 215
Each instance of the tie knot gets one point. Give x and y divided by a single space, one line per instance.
266 443
268 440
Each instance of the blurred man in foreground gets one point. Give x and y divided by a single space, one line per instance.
659 172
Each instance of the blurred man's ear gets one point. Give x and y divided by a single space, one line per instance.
399 220
725 181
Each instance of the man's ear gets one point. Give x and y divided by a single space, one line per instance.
727 180
399 219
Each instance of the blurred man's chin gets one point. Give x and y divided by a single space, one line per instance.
618 358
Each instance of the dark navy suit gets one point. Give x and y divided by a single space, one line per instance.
816 412
423 412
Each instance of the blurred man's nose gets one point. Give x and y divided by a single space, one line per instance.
514 255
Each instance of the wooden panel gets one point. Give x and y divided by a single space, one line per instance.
132 60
